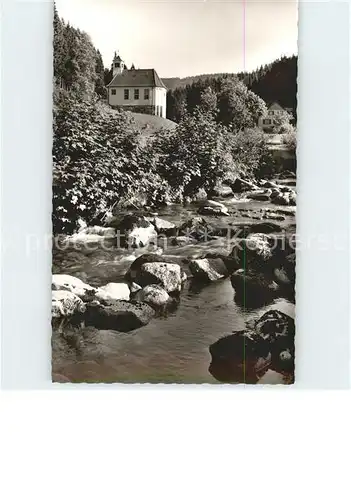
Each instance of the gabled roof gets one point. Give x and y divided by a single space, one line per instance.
137 78
275 105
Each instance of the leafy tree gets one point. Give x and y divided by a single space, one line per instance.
239 108
281 122
94 161
289 139
208 101
251 155
194 155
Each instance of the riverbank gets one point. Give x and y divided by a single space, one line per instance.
174 346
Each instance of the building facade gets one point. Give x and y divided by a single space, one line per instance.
268 121
138 90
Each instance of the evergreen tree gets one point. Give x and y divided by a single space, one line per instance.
100 76
60 49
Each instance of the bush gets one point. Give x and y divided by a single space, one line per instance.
251 155
194 155
289 139
95 162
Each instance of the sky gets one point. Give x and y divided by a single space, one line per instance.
182 38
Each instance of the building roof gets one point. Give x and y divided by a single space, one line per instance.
275 105
137 78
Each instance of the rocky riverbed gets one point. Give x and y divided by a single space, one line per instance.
202 293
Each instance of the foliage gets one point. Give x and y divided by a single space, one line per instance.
251 155
78 66
281 122
94 161
289 139
100 76
227 97
194 155
238 107
208 101
275 82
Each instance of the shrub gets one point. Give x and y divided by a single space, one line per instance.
289 139
194 155
251 155
95 162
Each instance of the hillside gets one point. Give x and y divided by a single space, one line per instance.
272 82
172 83
150 124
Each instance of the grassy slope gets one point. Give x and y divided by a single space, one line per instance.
149 124
146 124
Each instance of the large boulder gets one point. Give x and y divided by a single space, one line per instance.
208 269
106 232
133 231
275 324
91 234
65 303
269 184
222 191
223 254
278 330
163 226
280 198
240 185
254 251
244 230
113 291
169 276
146 258
181 241
197 228
154 295
74 285
253 289
260 195
118 315
211 207
239 358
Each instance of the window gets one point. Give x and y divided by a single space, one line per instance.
146 94
156 110
136 94
113 91
271 112
267 121
126 94
161 111
117 65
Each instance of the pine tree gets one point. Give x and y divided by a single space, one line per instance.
60 49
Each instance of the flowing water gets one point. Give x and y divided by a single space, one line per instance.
172 348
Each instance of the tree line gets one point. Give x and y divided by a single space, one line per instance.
273 82
78 65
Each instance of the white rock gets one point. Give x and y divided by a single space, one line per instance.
169 276
65 303
141 236
72 284
154 295
107 232
161 224
113 291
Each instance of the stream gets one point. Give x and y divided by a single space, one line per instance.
172 348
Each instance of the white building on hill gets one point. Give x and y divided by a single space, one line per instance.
138 90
